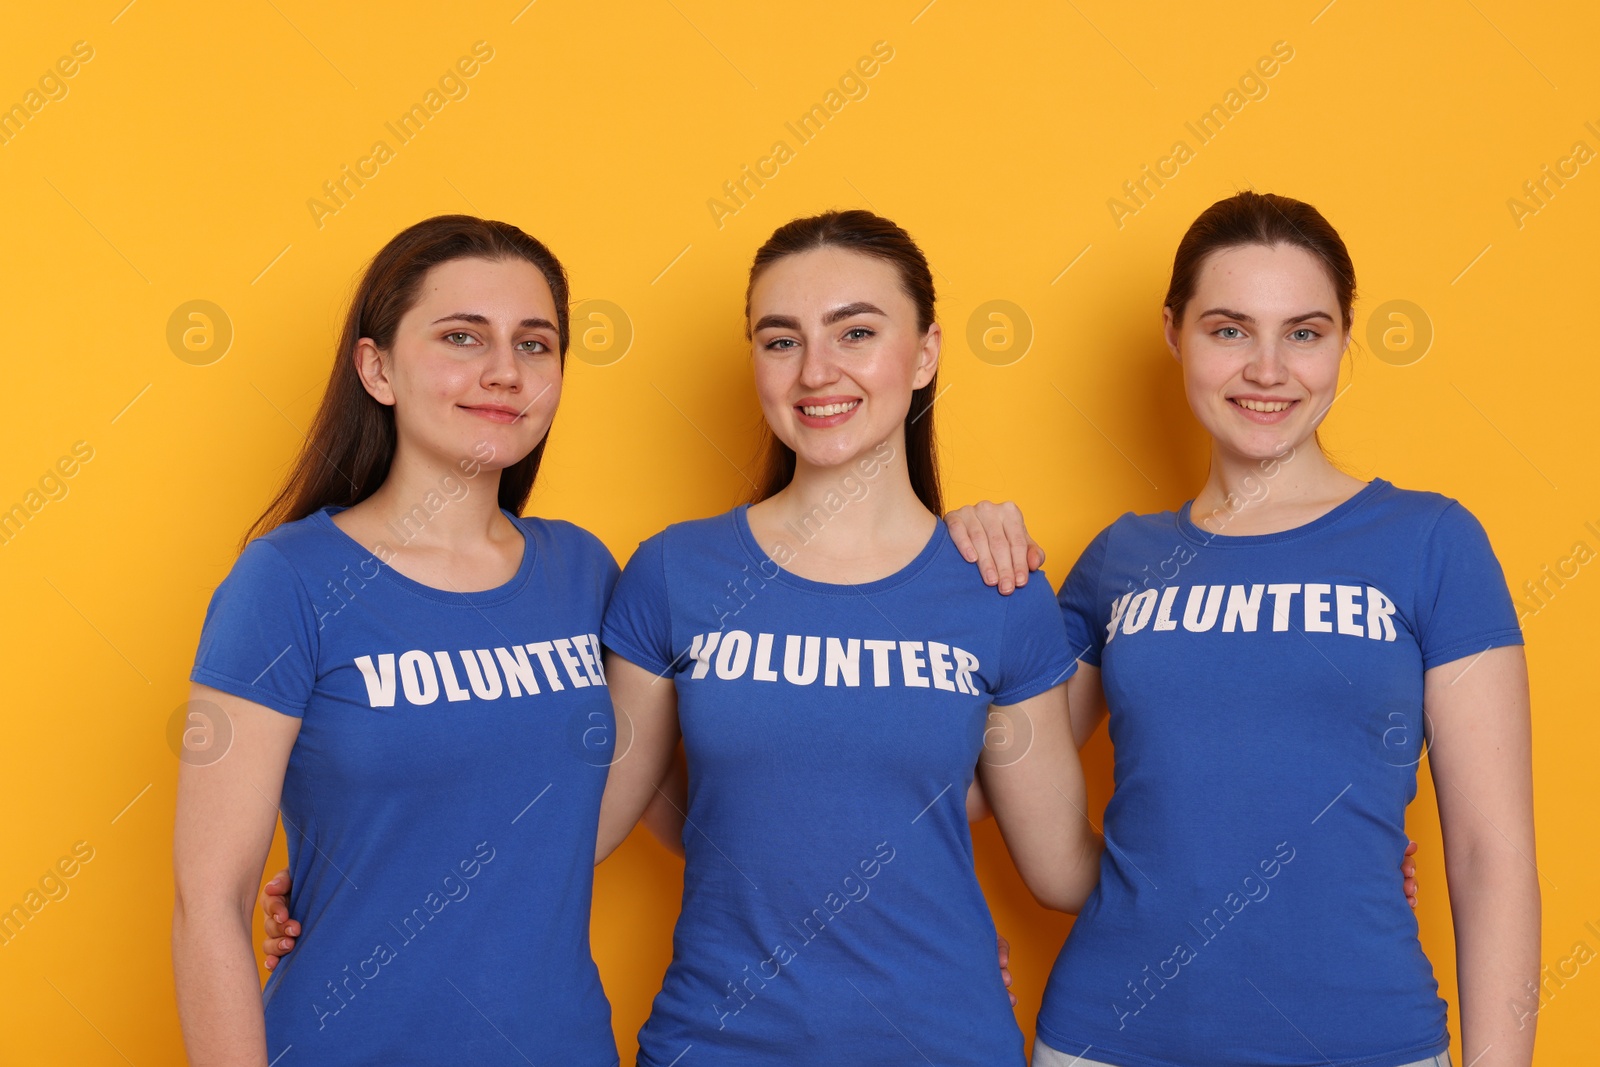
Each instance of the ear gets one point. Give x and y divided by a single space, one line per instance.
1169 331
372 367
928 357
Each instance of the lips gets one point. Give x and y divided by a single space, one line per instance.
821 412
493 412
1263 410
1265 407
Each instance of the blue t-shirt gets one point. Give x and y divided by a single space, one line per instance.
831 912
441 800
1266 717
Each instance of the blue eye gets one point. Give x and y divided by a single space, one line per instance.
1304 334
858 333
1229 332
780 343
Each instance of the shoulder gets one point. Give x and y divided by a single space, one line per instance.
1135 532
291 548
692 539
713 528
567 539
1420 513
276 573
952 583
301 538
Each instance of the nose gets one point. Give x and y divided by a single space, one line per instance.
500 366
1268 364
818 366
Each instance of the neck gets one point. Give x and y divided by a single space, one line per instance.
1254 490
427 503
856 509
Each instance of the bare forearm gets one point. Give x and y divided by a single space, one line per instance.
1050 839
665 819
219 994
619 813
648 703
659 805
1496 909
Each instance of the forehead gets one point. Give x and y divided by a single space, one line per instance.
824 278
483 286
1273 278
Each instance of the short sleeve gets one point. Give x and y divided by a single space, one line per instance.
1083 610
259 641
595 557
1463 606
1034 654
638 623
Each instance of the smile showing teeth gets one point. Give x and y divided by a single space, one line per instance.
1264 406
822 411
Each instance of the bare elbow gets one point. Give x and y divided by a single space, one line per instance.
200 902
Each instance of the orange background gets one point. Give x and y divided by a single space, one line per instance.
177 161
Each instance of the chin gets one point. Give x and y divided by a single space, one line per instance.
834 455
1261 448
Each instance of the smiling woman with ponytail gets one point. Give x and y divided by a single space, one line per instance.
1272 692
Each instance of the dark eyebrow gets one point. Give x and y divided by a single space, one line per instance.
483 320
1228 314
838 314
1242 317
1308 316
850 311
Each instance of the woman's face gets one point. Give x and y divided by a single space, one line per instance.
837 354
1260 345
474 362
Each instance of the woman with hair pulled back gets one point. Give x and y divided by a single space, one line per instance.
836 672
406 664
1277 656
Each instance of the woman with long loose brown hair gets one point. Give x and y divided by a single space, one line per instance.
409 670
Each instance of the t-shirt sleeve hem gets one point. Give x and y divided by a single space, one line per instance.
1472 647
1040 684
246 691
634 654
